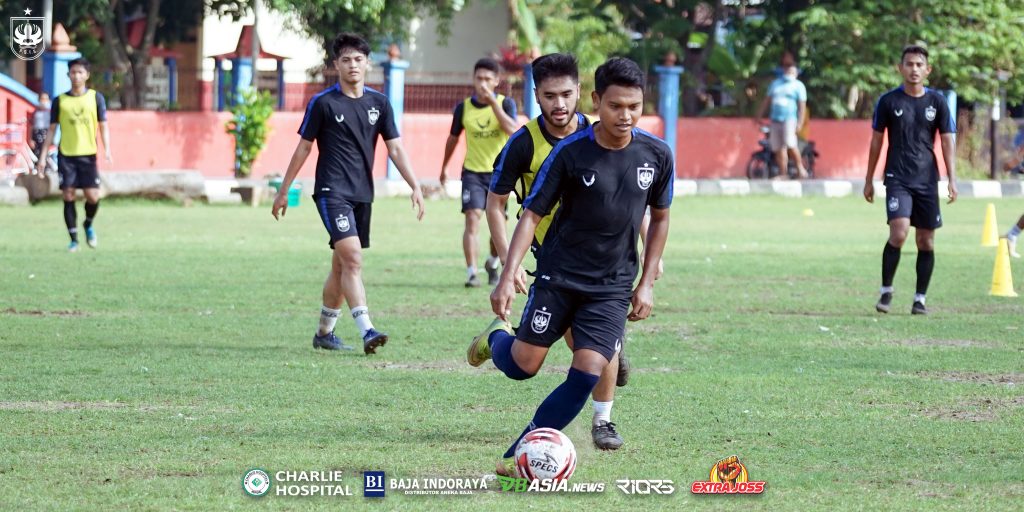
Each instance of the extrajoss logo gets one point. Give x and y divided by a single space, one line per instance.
256 482
728 476
373 484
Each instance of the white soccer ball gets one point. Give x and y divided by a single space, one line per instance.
545 454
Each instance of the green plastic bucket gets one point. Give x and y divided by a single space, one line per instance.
294 193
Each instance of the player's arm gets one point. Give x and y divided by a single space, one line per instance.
506 114
453 140
496 204
657 235
763 108
299 157
509 166
644 227
50 134
401 159
948 141
801 115
101 117
522 237
873 152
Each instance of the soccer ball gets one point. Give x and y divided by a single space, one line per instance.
545 454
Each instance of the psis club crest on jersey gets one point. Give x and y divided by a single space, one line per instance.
929 113
645 176
894 204
541 320
373 115
27 36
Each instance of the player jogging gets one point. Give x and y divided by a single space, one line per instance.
603 178
345 121
911 114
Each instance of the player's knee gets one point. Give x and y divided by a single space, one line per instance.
347 261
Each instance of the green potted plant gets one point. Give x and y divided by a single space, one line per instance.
249 128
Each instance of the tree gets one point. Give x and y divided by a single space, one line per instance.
378 21
852 48
684 27
585 28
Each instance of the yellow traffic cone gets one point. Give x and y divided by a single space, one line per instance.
990 233
1002 280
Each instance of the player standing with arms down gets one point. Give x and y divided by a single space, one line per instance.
78 112
604 178
912 114
488 119
345 121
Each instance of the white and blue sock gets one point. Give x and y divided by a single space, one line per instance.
328 317
361 314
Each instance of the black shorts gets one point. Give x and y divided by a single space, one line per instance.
598 324
918 203
474 190
77 171
344 219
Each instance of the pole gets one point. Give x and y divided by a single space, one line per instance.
994 137
255 43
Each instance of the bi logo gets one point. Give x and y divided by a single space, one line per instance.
373 484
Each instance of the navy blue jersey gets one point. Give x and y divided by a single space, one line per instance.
591 244
345 130
912 124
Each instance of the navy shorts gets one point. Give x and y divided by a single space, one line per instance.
344 219
474 190
598 324
918 203
77 171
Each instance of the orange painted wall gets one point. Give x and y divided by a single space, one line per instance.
707 147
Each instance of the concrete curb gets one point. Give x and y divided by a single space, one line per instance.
189 184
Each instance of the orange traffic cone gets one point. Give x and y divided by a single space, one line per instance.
1002 280
990 233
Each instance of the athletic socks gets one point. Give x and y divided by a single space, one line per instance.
90 213
562 405
890 260
470 272
602 411
919 297
492 262
328 317
71 220
1014 232
361 314
925 265
501 353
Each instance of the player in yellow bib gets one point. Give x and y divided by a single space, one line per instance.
488 119
78 112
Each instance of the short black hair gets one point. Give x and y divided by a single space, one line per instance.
618 71
81 61
349 40
914 49
555 65
488 64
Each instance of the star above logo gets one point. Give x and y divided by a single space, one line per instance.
28 11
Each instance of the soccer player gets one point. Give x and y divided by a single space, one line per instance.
603 178
557 89
488 120
345 121
1012 235
78 112
912 114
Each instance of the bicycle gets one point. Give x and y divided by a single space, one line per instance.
18 163
762 162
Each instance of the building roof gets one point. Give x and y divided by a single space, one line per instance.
244 48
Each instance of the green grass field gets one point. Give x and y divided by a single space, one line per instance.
153 372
